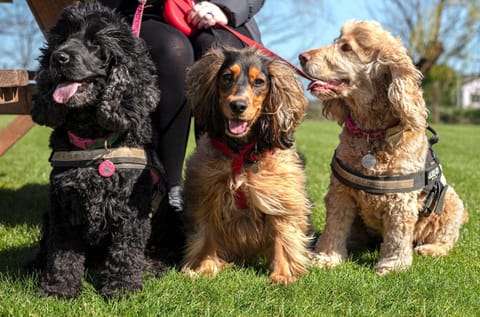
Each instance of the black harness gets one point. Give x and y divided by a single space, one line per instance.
429 180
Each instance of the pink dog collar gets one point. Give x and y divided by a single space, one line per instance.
90 144
356 131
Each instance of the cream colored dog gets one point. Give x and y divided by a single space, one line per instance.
370 86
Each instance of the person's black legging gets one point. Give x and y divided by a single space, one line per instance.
172 52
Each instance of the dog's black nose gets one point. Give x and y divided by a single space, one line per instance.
304 58
61 57
238 106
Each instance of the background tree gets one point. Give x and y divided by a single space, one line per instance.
287 21
440 88
447 79
19 35
435 30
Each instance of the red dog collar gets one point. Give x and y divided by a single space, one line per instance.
238 160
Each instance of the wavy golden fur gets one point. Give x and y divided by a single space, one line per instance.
367 75
240 97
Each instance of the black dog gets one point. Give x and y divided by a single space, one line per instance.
97 89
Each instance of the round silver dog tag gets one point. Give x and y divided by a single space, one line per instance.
369 161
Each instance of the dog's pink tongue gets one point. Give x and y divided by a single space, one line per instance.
237 126
316 83
64 92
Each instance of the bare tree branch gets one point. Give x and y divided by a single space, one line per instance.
283 20
434 30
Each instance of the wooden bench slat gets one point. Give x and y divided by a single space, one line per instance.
46 12
13 78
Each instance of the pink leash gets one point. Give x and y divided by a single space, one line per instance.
137 18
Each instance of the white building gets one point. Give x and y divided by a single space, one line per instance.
470 94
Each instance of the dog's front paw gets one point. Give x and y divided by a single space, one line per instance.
326 261
119 292
433 249
391 264
284 279
58 290
120 288
208 267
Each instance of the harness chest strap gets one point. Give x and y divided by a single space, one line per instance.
122 158
429 180
136 157
380 184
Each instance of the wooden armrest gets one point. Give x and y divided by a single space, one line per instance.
13 78
46 12
14 131
16 100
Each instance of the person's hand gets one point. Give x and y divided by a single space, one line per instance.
205 15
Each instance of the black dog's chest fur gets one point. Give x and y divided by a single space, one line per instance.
113 201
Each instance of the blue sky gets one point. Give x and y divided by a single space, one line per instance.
327 17
326 29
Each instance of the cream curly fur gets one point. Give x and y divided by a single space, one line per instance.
367 74
275 224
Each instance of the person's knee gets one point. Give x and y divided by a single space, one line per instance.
166 42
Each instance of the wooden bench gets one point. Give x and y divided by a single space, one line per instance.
17 86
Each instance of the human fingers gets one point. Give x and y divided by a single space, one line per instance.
205 14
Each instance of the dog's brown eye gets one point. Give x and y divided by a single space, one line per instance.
258 82
227 78
346 47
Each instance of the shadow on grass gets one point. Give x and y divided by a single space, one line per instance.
23 206
362 249
14 260
367 258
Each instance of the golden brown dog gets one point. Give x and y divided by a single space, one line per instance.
244 188
368 84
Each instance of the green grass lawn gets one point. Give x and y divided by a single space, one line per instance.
448 286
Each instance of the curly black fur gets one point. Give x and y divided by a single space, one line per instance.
95 48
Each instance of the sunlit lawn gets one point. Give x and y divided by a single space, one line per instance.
448 286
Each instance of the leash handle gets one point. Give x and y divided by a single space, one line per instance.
252 43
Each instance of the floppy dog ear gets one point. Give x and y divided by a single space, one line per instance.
201 91
404 92
284 107
110 112
131 91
